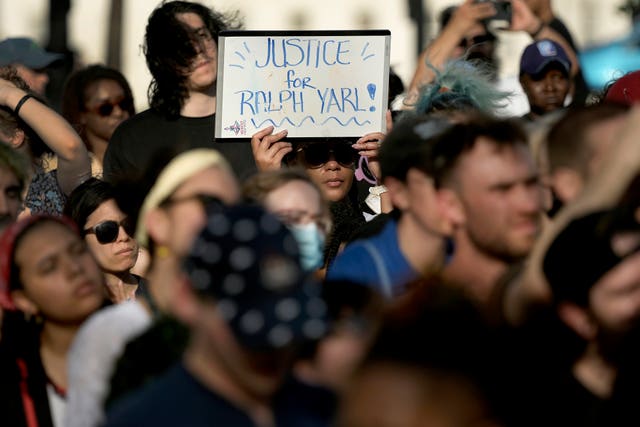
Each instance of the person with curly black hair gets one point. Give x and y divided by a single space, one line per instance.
182 55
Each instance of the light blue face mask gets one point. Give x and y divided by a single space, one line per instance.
311 242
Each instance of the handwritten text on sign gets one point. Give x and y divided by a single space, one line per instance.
332 85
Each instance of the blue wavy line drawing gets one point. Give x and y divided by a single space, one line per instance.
364 49
291 123
240 55
367 57
286 119
236 65
352 119
246 47
309 118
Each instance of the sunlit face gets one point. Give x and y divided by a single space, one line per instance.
120 255
297 203
423 206
547 93
102 93
10 197
204 69
185 214
502 198
332 177
58 274
36 79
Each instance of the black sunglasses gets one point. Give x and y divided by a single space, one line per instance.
107 231
106 108
316 155
206 200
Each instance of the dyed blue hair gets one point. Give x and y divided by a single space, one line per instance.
461 86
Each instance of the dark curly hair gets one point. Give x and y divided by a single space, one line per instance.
170 48
75 94
10 122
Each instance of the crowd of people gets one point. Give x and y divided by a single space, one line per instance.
477 264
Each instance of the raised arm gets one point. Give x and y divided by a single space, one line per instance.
524 20
74 165
441 50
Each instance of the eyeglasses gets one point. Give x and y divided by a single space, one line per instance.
472 41
207 200
107 231
106 108
316 155
298 217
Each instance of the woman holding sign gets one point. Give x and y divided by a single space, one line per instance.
331 165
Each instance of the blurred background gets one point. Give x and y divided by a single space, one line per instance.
111 31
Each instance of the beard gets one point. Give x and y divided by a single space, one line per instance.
497 247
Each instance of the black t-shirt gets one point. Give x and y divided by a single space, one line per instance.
138 139
176 399
179 399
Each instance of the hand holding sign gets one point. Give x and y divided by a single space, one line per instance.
268 149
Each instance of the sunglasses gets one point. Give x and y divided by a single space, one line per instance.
107 231
316 155
468 42
207 200
106 108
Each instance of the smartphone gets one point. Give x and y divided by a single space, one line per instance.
503 11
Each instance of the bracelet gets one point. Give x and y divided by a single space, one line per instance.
21 103
537 32
377 190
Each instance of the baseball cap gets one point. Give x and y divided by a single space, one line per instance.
626 90
248 261
22 50
582 253
537 56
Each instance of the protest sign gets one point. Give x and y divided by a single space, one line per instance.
315 84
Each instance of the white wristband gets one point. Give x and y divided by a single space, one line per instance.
377 190
373 199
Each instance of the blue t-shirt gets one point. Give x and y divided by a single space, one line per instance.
376 262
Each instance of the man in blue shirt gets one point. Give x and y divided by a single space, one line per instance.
413 245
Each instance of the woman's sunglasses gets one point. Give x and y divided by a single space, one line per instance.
107 231
316 155
106 108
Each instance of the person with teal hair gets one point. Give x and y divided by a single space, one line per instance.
461 86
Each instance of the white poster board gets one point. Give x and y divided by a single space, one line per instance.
315 84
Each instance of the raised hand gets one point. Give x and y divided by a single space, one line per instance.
269 149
